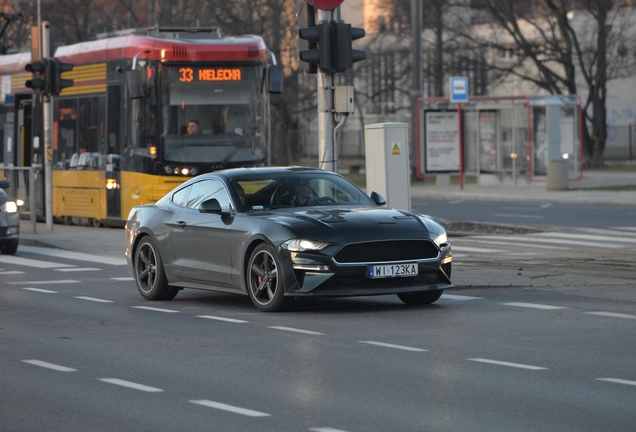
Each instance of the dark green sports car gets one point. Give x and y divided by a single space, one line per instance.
279 233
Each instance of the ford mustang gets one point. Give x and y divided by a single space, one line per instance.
279 233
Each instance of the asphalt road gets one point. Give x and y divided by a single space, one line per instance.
81 350
557 215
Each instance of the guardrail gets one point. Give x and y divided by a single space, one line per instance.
22 185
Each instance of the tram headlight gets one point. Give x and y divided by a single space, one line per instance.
185 171
194 171
112 184
169 169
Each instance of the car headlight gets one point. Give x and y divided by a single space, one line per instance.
302 245
9 207
441 239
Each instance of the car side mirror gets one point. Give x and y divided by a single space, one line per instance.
4 184
212 206
378 198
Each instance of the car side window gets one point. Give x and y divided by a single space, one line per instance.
208 189
180 197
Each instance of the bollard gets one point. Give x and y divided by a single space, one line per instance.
557 178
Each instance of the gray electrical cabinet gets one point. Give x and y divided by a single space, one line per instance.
387 162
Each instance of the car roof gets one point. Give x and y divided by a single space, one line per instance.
267 171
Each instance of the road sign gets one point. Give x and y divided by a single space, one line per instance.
325 4
459 89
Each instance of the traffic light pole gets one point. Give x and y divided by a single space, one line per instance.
48 150
326 154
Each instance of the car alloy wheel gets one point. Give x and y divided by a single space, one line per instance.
149 273
265 282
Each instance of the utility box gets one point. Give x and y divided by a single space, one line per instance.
387 162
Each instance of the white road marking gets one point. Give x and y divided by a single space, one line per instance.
326 429
520 208
546 205
387 345
49 365
625 228
519 216
476 250
535 306
93 299
10 272
612 315
296 330
127 278
500 363
456 202
232 320
131 385
28 262
155 309
40 290
514 243
65 281
78 269
460 297
60 253
532 239
229 408
618 381
592 237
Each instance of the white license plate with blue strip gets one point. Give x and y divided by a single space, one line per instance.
393 270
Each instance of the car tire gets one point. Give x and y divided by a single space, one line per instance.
9 248
421 298
265 281
149 273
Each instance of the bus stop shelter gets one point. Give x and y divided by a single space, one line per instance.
501 139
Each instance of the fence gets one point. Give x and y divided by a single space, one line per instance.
22 184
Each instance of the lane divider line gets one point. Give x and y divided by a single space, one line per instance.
534 306
232 320
612 315
388 345
10 272
290 329
131 385
48 365
127 278
229 408
460 297
617 381
155 309
78 269
40 290
65 281
93 299
501 363
326 429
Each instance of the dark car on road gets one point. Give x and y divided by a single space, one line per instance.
279 233
9 221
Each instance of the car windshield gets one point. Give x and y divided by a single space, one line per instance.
297 189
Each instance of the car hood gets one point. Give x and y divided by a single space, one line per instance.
355 224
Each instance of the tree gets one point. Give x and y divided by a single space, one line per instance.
569 48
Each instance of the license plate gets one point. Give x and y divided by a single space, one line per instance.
392 270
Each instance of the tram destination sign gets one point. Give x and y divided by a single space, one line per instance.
194 74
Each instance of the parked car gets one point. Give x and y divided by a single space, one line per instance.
279 233
9 221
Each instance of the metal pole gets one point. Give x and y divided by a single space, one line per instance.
48 150
417 68
326 156
33 212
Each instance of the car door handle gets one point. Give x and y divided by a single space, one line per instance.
181 224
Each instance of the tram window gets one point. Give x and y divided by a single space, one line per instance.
142 125
114 110
67 155
88 125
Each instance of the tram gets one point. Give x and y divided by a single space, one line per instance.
149 109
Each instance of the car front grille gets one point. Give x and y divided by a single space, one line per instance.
386 251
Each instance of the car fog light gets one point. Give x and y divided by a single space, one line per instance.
313 268
12 230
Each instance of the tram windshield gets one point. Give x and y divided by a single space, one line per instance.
213 114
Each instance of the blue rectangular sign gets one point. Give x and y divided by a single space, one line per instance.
459 89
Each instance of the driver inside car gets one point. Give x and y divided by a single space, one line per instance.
302 195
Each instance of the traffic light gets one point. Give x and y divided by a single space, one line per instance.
319 52
41 73
57 82
344 55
